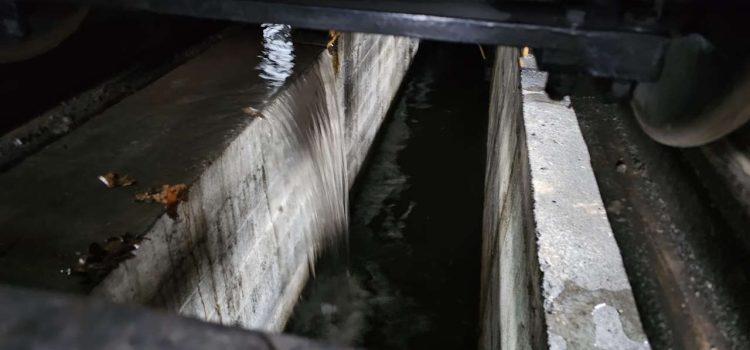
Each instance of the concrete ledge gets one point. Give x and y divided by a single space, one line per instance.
588 301
552 272
510 304
238 254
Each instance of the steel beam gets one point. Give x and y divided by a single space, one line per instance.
610 48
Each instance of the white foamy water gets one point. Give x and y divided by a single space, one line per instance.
340 304
308 117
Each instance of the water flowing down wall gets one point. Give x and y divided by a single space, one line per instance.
265 129
298 173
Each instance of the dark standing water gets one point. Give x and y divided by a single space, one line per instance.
412 280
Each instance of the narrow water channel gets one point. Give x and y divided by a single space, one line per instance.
411 278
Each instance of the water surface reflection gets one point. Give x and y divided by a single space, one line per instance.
277 57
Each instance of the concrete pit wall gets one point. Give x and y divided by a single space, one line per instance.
237 254
252 270
552 274
510 294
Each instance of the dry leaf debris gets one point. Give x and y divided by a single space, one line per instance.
101 258
169 195
113 180
253 112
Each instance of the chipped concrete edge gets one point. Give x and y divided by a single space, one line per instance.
587 298
552 274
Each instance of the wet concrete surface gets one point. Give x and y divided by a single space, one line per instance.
105 44
688 269
411 278
254 128
111 55
53 205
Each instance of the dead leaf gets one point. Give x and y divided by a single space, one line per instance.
333 36
253 112
176 193
149 196
113 180
172 196
169 195
102 258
